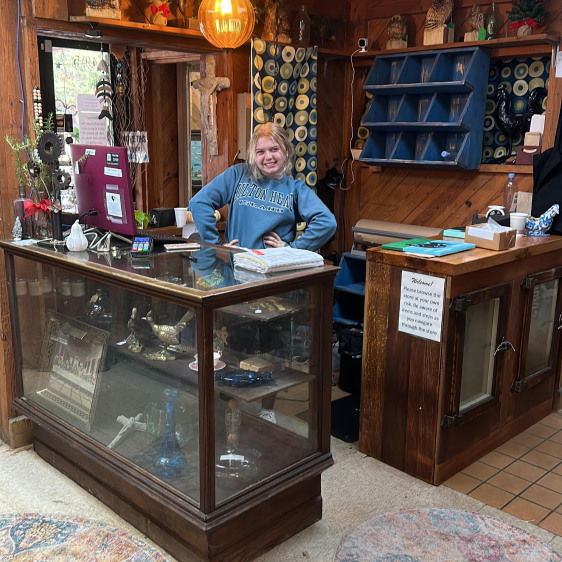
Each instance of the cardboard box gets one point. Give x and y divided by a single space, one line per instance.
489 239
532 139
256 364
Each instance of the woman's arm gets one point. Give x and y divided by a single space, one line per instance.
213 196
320 222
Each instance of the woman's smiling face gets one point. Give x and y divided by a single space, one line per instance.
270 158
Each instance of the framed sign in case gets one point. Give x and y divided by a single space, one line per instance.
72 357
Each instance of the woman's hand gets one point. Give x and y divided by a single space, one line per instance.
233 243
274 240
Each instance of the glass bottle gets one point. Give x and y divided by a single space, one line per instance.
509 191
19 211
301 28
491 22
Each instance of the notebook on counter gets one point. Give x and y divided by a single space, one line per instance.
436 248
402 245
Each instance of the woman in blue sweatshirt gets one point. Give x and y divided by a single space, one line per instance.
265 202
265 206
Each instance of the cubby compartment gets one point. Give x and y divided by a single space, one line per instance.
447 148
376 147
448 108
431 98
452 66
385 70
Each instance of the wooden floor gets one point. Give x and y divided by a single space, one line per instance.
523 477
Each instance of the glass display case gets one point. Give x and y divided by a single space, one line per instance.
170 388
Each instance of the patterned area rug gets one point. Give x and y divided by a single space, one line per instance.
414 535
30 537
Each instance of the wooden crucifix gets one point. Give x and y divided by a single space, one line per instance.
209 86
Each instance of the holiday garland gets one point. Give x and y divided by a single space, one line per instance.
526 12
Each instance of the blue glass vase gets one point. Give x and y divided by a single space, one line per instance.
169 460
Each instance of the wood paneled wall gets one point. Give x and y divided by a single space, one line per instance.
429 197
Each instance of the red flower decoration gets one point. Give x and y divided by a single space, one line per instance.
162 8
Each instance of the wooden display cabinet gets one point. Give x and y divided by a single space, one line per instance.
106 370
431 407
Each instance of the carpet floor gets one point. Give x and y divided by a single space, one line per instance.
414 535
32 537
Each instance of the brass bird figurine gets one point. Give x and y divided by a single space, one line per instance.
168 335
476 18
133 340
396 27
439 12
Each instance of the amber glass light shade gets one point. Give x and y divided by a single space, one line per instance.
226 23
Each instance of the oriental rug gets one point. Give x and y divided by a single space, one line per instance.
420 535
31 537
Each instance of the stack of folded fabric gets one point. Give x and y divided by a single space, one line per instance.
272 260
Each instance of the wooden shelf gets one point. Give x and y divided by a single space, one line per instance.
547 40
189 32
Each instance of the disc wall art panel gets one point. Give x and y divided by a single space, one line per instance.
516 89
284 84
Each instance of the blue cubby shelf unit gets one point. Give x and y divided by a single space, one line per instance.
349 285
427 108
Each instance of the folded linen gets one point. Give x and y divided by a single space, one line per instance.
271 260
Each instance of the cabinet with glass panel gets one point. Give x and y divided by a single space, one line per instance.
146 383
491 374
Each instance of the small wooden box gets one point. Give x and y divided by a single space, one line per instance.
438 36
256 364
396 44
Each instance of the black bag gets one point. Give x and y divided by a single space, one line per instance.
351 351
547 180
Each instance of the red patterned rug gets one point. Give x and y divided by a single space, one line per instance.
422 535
31 537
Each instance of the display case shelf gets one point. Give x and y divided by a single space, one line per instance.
427 108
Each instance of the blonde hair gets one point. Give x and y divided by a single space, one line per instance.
279 136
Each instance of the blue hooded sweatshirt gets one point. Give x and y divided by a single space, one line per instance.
257 208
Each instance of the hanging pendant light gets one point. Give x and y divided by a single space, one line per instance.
226 24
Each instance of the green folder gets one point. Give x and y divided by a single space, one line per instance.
403 244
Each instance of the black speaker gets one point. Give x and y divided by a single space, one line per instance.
162 216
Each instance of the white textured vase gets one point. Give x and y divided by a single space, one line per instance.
76 240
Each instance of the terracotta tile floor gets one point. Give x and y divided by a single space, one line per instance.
523 477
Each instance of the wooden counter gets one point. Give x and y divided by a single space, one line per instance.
431 407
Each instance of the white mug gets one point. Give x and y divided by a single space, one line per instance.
216 357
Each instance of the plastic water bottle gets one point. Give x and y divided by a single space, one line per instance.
509 191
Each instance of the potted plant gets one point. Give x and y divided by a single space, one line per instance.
525 15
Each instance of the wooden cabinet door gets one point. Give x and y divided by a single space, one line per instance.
471 399
541 326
